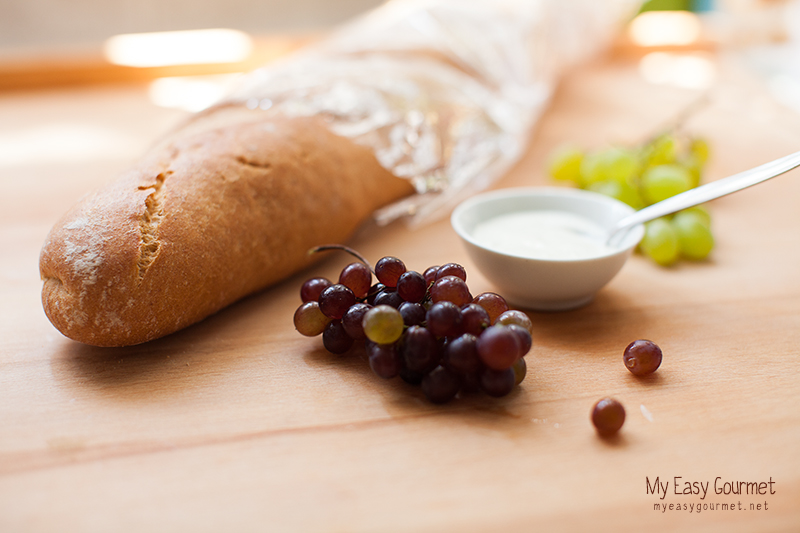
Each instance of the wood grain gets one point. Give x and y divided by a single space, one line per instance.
240 424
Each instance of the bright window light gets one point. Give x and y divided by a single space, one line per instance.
190 93
689 71
665 28
168 48
786 89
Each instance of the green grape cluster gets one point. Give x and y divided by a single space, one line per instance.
640 176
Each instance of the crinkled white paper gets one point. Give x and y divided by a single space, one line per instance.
445 92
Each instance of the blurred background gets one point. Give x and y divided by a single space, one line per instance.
179 56
56 43
172 43
39 25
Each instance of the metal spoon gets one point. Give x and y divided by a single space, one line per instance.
703 194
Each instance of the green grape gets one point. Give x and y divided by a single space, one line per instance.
512 316
701 212
611 164
660 242
694 236
662 151
592 169
309 320
700 149
606 187
694 168
520 369
621 165
383 324
565 164
663 181
630 195
623 192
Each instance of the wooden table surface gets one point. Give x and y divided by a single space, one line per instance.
240 424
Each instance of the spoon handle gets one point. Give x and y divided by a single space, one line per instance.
710 191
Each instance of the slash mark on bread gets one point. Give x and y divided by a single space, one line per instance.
250 163
149 222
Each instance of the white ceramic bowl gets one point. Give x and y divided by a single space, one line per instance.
545 284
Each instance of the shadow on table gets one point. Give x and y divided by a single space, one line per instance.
202 354
162 367
406 403
579 333
612 319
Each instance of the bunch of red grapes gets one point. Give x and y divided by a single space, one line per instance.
426 327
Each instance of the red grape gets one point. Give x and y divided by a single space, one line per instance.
420 350
351 320
411 286
451 289
444 319
384 360
411 377
335 338
608 415
426 328
494 304
336 300
358 278
452 269
388 296
475 319
642 357
497 383
461 355
312 288
430 275
499 347
440 385
525 339
388 270
373 292
413 314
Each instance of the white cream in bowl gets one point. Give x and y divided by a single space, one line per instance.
542 234
544 247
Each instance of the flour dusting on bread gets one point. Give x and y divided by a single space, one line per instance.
85 257
226 206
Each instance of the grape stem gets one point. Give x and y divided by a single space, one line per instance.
341 248
677 122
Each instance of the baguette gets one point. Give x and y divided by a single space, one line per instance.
224 206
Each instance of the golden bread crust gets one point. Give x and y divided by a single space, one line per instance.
225 206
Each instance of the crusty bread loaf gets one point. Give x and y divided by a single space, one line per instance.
224 206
